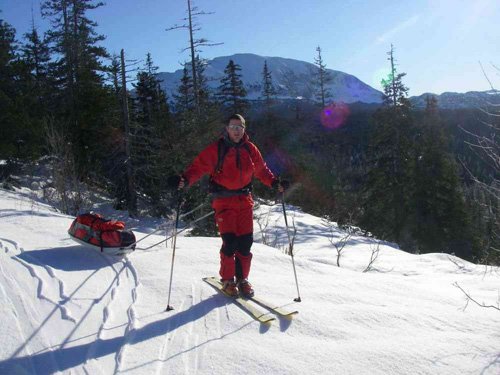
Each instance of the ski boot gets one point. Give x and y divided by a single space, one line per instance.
229 287
245 288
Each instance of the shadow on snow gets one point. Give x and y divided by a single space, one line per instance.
70 258
66 358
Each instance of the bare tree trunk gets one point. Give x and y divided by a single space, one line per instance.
193 62
131 194
393 75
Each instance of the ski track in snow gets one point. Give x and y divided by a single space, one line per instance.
131 293
212 326
44 283
188 334
117 321
94 347
183 335
168 341
191 340
198 323
26 314
8 299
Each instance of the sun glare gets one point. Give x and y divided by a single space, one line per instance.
334 115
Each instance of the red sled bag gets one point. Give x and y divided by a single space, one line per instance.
109 236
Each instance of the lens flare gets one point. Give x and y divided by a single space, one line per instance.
278 161
378 76
334 115
302 178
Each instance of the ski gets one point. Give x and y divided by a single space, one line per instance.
241 302
273 308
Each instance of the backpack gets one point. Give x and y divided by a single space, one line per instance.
222 150
218 191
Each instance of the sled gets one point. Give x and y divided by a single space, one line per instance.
107 236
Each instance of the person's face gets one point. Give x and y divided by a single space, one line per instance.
235 130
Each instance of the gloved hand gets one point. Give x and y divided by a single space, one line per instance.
285 184
176 182
281 185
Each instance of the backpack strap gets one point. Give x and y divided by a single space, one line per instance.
246 145
222 150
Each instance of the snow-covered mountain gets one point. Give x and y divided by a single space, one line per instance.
455 100
292 78
68 309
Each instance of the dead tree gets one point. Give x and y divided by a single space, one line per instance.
374 256
191 25
263 223
70 193
342 242
131 192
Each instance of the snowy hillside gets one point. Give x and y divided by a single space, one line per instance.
291 78
69 309
454 100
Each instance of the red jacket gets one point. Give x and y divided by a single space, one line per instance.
231 176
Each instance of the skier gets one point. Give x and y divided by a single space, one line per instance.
231 162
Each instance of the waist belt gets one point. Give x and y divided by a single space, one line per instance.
219 191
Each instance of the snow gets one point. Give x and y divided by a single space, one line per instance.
69 309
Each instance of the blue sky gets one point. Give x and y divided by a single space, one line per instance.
438 43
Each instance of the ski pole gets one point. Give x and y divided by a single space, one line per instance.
290 247
179 203
188 225
193 210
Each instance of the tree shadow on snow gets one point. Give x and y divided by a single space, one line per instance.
66 358
8 213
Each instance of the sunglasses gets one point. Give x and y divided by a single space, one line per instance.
236 127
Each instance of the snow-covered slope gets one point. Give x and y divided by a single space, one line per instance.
291 78
69 309
454 100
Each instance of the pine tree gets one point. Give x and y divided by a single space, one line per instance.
204 93
268 90
389 186
184 98
151 99
152 121
34 89
231 92
395 92
442 223
9 127
36 55
116 163
322 78
78 72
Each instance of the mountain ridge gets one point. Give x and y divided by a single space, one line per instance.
294 79
291 78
